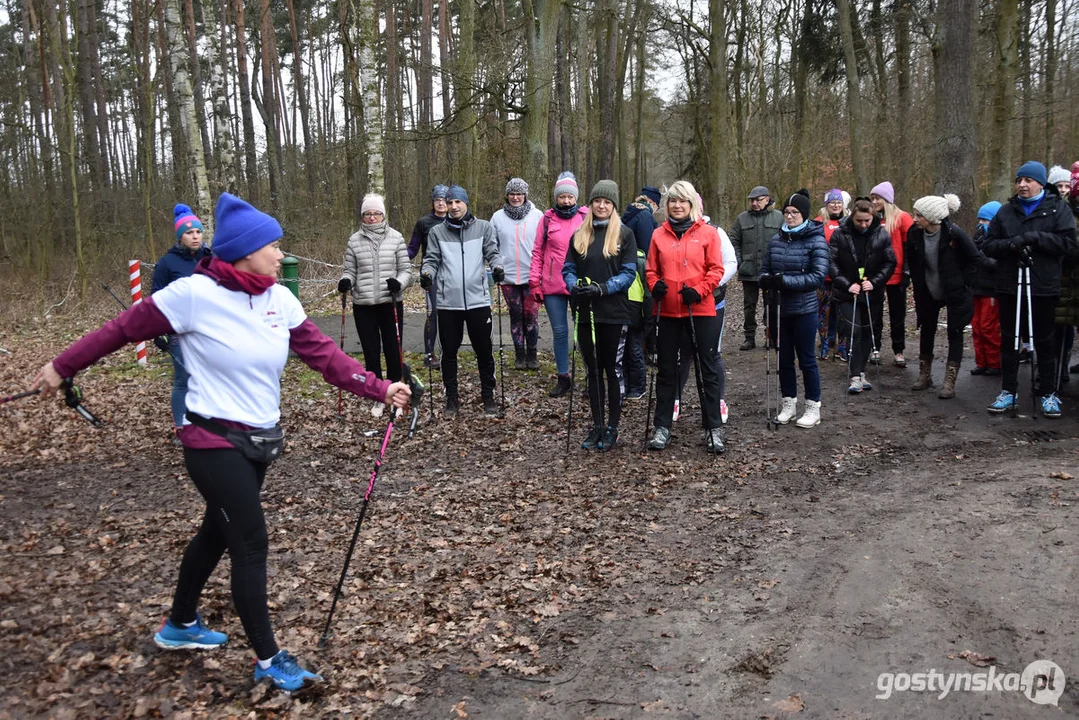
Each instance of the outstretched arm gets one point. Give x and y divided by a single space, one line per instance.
321 353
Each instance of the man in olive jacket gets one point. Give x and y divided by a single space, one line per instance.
750 235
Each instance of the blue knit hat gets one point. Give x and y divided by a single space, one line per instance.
652 193
457 192
989 210
183 220
241 229
1033 170
439 192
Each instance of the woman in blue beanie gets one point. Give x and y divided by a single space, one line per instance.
236 326
179 262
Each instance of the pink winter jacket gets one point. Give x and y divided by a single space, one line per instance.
549 252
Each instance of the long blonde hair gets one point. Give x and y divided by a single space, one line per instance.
891 216
585 234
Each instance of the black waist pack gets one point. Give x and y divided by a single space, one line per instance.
262 445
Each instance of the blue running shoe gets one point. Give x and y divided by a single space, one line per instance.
196 637
1004 402
285 673
610 437
1051 406
592 441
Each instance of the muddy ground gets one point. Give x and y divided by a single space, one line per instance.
497 577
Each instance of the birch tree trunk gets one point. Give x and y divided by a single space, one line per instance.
185 99
224 139
250 156
365 25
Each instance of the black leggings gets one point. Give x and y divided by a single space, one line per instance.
230 485
377 327
602 358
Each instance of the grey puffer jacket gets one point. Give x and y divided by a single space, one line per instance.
455 257
369 263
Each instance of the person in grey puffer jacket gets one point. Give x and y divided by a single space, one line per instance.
750 235
457 250
515 226
376 271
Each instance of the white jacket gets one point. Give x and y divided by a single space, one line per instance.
515 241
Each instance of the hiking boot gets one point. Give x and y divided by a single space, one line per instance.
490 407
610 437
452 408
978 370
531 361
713 441
842 354
724 411
1051 406
562 386
1004 402
592 441
811 417
899 360
749 344
432 361
925 375
787 410
677 410
661 438
855 385
285 673
196 637
947 390
519 362
992 372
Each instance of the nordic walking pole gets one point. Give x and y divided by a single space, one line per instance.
697 372
430 356
869 313
652 374
771 312
344 304
572 373
501 355
19 396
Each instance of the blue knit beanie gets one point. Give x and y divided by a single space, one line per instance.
988 211
183 219
457 193
652 193
1033 170
241 229
439 192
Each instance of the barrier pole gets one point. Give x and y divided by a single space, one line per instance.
133 267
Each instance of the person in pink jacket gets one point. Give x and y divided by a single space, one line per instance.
545 276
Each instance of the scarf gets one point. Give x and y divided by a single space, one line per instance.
1032 203
458 224
517 213
566 212
227 276
793 230
375 232
680 226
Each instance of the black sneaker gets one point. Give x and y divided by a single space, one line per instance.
451 409
490 407
592 441
561 387
610 437
634 394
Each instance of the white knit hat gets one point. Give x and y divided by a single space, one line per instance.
373 202
1058 174
935 208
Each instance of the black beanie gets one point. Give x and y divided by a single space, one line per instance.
801 201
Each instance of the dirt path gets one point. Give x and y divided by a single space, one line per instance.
494 579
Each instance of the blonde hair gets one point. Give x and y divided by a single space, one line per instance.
684 190
585 234
891 215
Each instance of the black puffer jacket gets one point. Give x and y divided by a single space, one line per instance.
879 262
1050 226
981 277
957 258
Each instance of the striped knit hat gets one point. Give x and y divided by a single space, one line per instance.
184 220
566 184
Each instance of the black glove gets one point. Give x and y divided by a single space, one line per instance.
659 290
777 281
498 274
764 282
344 285
162 343
426 282
592 290
1030 239
689 295
393 284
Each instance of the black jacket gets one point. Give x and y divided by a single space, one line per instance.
981 276
879 263
1051 227
957 259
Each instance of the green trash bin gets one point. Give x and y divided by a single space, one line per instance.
290 275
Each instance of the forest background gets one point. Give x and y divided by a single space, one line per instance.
111 111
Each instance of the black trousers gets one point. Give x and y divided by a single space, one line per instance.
233 521
674 338
929 313
750 292
861 338
602 359
897 316
478 323
1045 346
430 324
377 327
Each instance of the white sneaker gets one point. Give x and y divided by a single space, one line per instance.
723 411
855 385
811 416
676 410
377 409
787 411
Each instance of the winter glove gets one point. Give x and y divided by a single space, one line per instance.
498 274
162 343
426 282
689 295
777 281
764 282
394 285
538 297
659 290
592 290
1030 239
344 285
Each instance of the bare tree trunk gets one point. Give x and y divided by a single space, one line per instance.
144 105
365 27
425 87
719 106
541 34
583 160
466 96
1000 153
1050 102
1028 76
196 81
953 63
607 45
854 100
448 90
103 134
640 165
224 178
562 80
87 100
902 73
251 173
266 104
393 99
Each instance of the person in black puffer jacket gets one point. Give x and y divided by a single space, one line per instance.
1035 226
941 258
795 265
862 261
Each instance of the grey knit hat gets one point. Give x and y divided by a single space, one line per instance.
1058 174
604 189
517 185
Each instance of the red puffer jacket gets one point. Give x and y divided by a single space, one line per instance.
695 260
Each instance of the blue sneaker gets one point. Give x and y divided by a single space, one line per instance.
285 673
592 441
1051 406
609 438
196 637
1004 402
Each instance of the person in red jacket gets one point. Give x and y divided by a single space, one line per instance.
897 222
685 264
833 212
